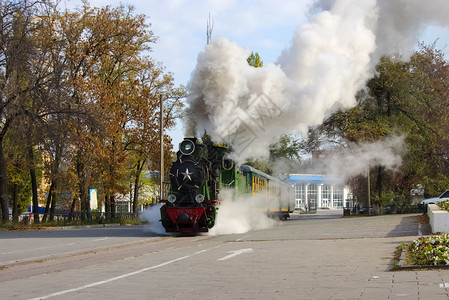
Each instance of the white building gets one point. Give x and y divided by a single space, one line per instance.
319 191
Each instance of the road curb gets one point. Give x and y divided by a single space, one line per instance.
87 226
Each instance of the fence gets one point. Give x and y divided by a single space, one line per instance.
93 217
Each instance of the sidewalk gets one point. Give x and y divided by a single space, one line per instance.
362 249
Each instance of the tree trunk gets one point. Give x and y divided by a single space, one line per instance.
49 200
3 186
34 185
379 187
53 205
136 194
136 187
379 180
112 207
54 176
72 209
85 209
15 204
83 200
107 206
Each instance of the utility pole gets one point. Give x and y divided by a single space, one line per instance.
161 132
369 192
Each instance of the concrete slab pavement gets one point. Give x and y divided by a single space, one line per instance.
309 257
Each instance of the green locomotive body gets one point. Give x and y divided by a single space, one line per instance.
196 178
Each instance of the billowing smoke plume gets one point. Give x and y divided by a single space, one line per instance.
357 158
400 24
329 60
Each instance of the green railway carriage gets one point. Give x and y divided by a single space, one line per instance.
276 196
196 178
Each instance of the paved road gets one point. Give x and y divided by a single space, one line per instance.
321 256
26 246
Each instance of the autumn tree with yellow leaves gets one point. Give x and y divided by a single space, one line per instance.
87 101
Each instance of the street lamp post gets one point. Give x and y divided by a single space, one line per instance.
161 131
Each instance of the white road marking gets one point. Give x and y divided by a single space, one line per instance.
236 252
119 277
242 238
102 239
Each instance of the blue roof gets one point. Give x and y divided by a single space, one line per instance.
315 179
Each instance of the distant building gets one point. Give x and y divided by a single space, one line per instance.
148 194
314 191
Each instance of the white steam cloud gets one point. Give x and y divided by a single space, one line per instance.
152 216
357 158
329 60
240 214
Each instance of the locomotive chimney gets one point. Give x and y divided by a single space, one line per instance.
191 138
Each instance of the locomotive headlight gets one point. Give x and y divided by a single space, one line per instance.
187 147
199 198
171 198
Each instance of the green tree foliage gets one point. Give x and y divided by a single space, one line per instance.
284 157
287 147
406 98
255 60
261 164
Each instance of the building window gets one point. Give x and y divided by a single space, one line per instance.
312 196
300 196
338 196
325 195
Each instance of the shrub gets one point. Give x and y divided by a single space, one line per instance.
444 205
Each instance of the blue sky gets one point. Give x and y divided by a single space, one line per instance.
264 26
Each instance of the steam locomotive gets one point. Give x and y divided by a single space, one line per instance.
200 171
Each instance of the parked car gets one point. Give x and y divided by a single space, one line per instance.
423 203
